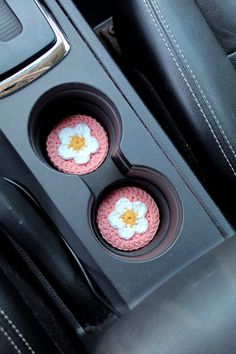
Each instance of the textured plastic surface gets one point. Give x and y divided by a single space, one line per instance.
35 37
140 152
10 26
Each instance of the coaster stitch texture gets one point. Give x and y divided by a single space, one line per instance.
70 166
111 233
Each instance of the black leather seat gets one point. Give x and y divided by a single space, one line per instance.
192 313
34 262
186 49
219 15
20 332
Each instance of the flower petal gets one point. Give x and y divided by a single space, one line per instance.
66 153
93 144
82 157
115 220
126 232
82 129
140 208
122 205
65 135
141 226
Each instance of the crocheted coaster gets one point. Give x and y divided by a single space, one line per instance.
128 218
77 145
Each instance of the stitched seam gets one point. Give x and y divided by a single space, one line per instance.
10 340
188 85
193 76
16 330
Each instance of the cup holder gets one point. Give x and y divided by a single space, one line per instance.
169 213
67 102
73 105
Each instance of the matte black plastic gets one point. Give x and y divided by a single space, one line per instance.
195 312
71 99
36 36
139 149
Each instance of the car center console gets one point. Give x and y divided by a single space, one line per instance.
84 79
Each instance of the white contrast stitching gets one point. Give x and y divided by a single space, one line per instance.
20 335
193 76
11 341
188 85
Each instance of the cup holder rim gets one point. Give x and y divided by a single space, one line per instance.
156 184
171 214
89 99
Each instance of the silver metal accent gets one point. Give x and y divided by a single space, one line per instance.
40 65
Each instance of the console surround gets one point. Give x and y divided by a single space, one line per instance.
39 65
88 81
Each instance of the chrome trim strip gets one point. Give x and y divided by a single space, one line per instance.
40 65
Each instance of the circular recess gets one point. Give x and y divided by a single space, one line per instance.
74 104
164 215
128 218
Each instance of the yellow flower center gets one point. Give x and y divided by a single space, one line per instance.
130 218
77 143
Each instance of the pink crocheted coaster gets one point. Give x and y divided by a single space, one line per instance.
128 218
77 145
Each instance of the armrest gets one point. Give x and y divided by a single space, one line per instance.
195 312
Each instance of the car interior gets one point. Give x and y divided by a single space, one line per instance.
117 176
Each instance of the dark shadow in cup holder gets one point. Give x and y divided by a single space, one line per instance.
170 207
66 100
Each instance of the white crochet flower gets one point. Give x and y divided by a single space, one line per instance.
77 144
129 218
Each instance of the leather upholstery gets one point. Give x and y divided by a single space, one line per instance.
221 17
20 220
19 330
193 313
172 44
